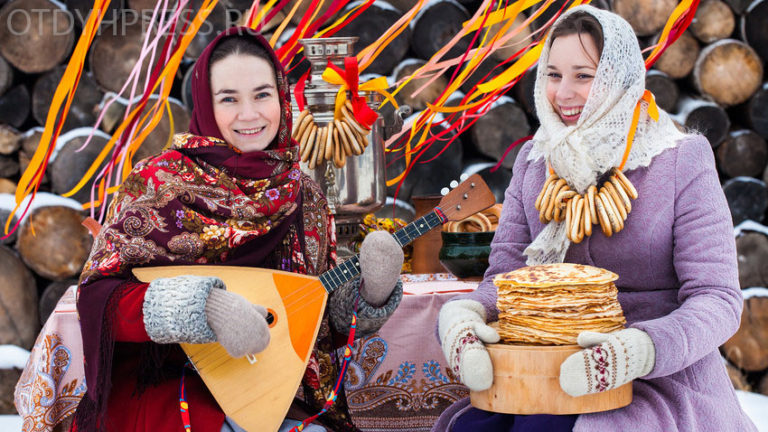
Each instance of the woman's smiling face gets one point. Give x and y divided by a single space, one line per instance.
246 104
570 72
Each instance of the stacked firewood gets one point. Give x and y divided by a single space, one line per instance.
712 80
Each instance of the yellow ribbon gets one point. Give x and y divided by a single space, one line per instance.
378 85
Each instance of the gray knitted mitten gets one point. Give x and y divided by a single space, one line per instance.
381 259
240 327
370 318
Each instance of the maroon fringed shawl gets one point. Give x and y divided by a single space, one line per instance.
203 202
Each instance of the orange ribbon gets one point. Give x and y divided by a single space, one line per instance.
653 112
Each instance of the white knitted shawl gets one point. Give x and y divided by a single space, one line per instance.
580 154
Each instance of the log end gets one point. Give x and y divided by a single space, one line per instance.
729 72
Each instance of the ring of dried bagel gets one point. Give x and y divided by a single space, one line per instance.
561 201
333 142
493 213
628 186
608 206
550 179
483 221
588 221
576 228
615 200
477 222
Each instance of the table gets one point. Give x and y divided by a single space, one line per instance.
398 379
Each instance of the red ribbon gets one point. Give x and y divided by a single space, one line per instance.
360 109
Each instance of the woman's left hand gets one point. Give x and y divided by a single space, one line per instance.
381 259
607 361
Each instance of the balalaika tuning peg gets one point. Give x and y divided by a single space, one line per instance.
444 191
463 177
454 183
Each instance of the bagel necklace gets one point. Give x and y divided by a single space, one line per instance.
609 206
332 142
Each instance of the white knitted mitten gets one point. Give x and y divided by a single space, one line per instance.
462 330
608 361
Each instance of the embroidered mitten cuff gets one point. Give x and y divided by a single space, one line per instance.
174 309
462 330
370 318
608 361
381 260
240 326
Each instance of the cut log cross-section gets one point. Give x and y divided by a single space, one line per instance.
728 71
754 25
703 116
35 35
59 245
427 95
435 26
752 251
82 111
15 105
714 21
645 17
679 58
743 153
663 88
757 111
747 199
369 26
748 348
501 126
18 301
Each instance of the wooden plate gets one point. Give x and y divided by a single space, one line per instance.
526 381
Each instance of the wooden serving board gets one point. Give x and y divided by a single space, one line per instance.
526 380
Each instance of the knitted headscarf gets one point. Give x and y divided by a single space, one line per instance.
582 153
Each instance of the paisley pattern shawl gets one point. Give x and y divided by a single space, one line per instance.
177 208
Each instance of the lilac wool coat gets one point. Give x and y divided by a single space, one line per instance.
678 281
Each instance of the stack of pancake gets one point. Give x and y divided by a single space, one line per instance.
551 304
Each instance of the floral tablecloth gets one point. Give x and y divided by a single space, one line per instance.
397 379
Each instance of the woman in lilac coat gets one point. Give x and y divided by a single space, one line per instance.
675 256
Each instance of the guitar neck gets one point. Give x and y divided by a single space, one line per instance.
350 268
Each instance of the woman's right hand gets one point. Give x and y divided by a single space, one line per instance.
199 309
462 330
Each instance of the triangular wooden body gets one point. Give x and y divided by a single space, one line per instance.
257 392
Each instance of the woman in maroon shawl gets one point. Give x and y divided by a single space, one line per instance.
230 192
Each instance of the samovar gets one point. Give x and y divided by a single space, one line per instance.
359 187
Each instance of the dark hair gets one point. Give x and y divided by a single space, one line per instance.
239 44
580 23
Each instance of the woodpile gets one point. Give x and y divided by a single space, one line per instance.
747 350
18 299
46 254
